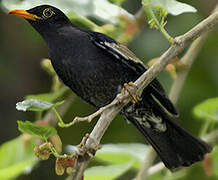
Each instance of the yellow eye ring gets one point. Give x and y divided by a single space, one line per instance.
48 13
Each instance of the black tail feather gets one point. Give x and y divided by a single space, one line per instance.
175 146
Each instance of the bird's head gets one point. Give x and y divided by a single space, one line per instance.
43 18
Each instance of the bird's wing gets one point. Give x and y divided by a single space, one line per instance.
120 51
127 57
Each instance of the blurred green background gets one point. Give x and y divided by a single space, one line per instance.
21 50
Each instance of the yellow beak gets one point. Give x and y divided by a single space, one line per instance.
24 14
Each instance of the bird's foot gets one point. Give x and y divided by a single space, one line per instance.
83 149
128 87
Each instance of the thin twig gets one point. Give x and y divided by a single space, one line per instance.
212 137
148 161
51 118
185 63
95 114
140 17
109 114
156 168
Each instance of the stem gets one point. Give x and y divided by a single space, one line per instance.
157 23
205 127
212 137
53 150
186 61
51 118
61 122
58 116
149 158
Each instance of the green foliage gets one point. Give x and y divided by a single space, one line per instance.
82 21
50 97
156 12
214 156
119 158
100 9
122 153
173 7
159 12
16 157
36 105
109 172
119 2
43 132
207 110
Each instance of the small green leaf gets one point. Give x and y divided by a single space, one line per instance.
207 110
107 172
13 164
36 105
43 132
50 97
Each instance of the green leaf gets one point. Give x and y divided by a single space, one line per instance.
100 9
214 156
207 110
43 132
120 153
36 105
15 170
106 172
16 158
173 7
156 176
50 97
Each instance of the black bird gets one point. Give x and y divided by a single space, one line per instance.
95 67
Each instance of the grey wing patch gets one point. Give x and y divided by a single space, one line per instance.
116 49
145 117
123 51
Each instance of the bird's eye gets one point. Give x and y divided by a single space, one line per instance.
48 13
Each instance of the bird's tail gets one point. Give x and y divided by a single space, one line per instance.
175 146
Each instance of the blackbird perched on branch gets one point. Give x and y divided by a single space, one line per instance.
95 67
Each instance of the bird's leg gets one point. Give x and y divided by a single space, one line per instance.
82 146
126 87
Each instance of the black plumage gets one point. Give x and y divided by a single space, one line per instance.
95 67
